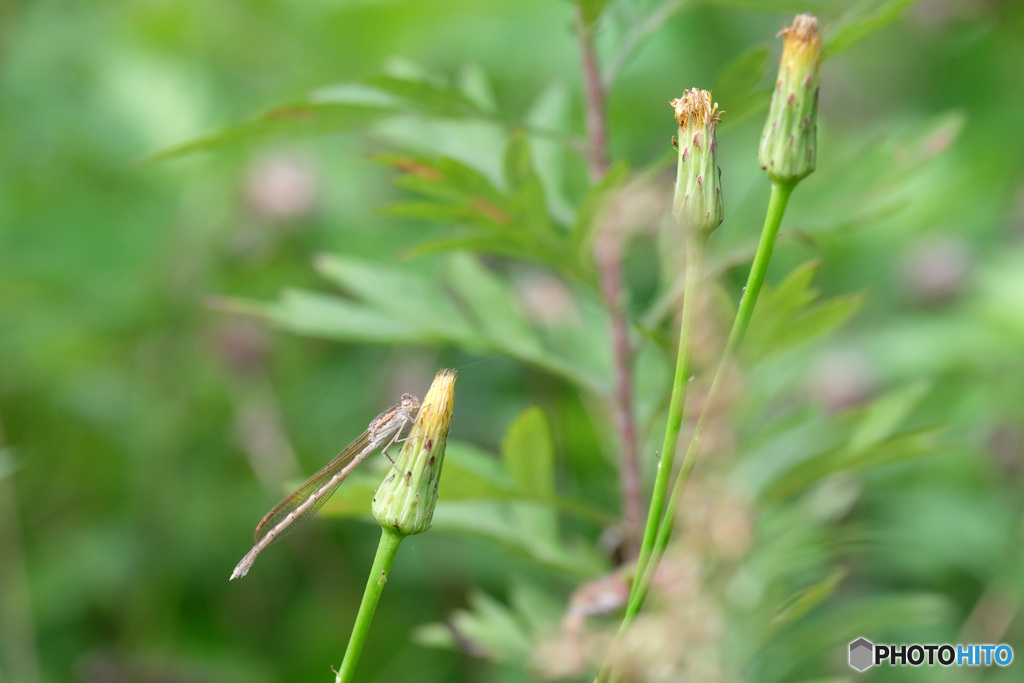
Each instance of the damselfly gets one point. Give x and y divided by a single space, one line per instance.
308 498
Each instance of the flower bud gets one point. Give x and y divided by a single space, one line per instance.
405 500
697 204
788 143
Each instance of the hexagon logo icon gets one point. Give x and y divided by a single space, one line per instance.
861 651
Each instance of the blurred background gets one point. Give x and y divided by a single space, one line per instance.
155 403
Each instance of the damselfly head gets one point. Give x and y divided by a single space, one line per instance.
410 404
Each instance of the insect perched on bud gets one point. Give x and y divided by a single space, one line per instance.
405 500
788 144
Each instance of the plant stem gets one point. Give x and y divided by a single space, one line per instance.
694 274
609 262
386 549
773 219
593 91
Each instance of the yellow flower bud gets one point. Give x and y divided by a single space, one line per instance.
405 500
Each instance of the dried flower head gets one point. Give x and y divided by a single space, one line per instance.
788 144
697 204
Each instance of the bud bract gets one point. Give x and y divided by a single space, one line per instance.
788 143
697 204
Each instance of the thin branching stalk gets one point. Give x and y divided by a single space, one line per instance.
773 219
609 263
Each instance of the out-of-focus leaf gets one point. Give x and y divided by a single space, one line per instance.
785 316
492 306
594 203
296 119
807 599
475 84
526 200
330 317
833 631
493 521
529 456
863 20
551 112
487 629
409 298
590 10
443 178
7 463
635 36
883 416
739 89
433 98
910 445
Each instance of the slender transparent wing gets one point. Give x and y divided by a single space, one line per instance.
359 447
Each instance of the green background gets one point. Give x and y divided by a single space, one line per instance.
133 408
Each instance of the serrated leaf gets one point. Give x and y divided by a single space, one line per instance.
409 298
433 98
903 447
816 321
291 120
329 317
493 521
883 416
785 316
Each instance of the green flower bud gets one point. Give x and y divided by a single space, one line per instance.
789 141
697 204
405 500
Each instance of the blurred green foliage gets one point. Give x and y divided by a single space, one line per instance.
415 190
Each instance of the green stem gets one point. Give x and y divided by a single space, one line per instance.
773 219
386 550
694 274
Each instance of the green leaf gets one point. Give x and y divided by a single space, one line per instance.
861 22
550 112
529 456
492 306
487 629
518 163
805 600
494 521
329 317
296 119
785 316
886 414
406 297
594 204
591 10
740 85
434 98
